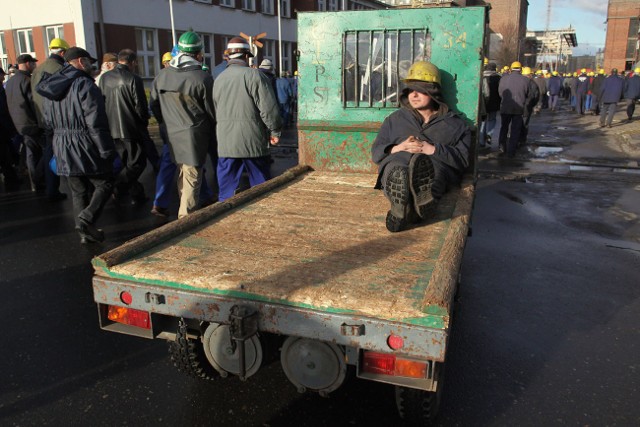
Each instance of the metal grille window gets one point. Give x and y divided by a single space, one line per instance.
267 7
249 5
375 62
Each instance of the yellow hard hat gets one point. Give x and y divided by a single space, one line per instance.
636 70
485 61
166 57
516 65
538 72
59 44
526 71
583 70
601 71
424 72
555 73
590 74
575 74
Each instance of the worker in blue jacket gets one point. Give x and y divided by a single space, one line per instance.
611 93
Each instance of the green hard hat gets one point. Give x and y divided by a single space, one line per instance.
190 42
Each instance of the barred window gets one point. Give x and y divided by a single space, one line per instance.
375 62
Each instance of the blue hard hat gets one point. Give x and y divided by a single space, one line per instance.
175 51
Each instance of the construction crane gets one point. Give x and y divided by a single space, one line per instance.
549 2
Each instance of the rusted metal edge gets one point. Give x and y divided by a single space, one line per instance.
337 126
168 231
443 282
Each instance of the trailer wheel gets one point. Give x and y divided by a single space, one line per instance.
417 407
189 357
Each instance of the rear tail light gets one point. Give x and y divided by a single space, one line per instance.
390 364
129 316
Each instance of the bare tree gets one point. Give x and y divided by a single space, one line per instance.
507 52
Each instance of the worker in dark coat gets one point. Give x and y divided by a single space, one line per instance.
491 96
514 90
181 101
530 105
23 115
612 90
582 87
7 131
421 149
596 92
631 92
554 87
74 110
128 113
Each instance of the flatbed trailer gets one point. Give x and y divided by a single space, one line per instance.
302 267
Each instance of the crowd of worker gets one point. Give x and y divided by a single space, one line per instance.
517 93
64 117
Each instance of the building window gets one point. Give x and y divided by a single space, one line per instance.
249 5
332 5
285 8
227 3
207 50
25 42
633 38
267 7
375 62
55 32
322 5
286 56
146 42
3 53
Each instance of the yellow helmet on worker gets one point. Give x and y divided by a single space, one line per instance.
636 70
601 71
59 43
516 65
526 71
485 61
555 73
583 70
423 71
166 57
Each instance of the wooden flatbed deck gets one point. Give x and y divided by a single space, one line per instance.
318 241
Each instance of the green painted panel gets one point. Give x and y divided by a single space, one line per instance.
328 124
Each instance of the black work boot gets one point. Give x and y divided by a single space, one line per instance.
421 178
89 233
396 188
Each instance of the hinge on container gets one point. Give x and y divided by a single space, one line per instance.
154 298
352 330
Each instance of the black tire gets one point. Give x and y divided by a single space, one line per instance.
188 356
418 407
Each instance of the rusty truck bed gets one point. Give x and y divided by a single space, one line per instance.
315 240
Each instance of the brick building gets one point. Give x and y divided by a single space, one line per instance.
102 26
622 44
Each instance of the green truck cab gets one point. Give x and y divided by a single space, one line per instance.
302 268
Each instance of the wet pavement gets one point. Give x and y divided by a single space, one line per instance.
546 330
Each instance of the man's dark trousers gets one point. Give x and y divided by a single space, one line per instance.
90 194
515 122
134 161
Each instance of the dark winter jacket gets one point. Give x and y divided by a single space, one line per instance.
7 129
514 91
74 109
21 106
181 101
52 64
582 84
554 85
612 89
126 103
533 97
448 133
490 83
541 84
596 85
247 112
284 90
632 87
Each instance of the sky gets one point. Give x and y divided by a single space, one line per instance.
585 16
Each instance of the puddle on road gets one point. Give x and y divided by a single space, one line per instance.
547 151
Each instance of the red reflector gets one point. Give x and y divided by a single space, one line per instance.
126 297
395 342
379 363
129 316
389 364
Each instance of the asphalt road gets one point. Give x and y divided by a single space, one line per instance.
546 330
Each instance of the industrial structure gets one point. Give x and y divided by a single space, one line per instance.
622 46
553 48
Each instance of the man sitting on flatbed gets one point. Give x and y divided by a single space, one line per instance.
421 149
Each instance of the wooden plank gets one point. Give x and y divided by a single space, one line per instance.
319 241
